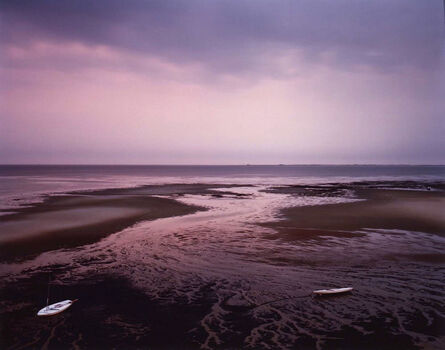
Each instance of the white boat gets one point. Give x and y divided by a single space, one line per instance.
56 308
332 291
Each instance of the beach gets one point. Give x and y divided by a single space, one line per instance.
196 266
80 218
381 208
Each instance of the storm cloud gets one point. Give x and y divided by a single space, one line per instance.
303 81
229 35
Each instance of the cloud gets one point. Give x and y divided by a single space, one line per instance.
221 81
227 37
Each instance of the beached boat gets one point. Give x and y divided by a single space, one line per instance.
56 308
332 291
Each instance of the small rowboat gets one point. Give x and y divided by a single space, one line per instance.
332 291
56 308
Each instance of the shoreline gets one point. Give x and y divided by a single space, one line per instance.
376 208
84 217
387 211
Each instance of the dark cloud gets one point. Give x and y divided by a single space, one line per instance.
228 35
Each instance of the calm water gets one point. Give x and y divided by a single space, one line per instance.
21 184
294 171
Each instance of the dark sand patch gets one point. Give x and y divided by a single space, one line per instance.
84 217
338 189
171 190
429 258
110 314
381 209
70 221
295 233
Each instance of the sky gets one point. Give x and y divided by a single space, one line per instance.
222 82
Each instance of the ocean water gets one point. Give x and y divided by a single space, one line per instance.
22 184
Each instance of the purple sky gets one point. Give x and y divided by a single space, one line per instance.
222 82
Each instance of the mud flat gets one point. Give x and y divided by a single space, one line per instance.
189 282
378 208
132 322
79 218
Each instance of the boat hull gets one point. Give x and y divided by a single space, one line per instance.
55 308
332 291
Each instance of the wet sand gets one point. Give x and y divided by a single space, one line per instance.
379 209
110 313
189 281
80 218
66 222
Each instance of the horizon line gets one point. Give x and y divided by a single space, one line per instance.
231 164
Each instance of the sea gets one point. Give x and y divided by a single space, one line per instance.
24 184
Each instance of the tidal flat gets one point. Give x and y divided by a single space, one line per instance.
212 266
